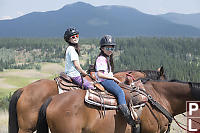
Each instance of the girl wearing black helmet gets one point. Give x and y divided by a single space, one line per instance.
72 66
104 71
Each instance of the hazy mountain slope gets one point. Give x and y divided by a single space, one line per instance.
93 22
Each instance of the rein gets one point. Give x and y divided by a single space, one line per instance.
82 82
152 102
160 108
127 87
128 74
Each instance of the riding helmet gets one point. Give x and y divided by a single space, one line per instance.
70 32
107 40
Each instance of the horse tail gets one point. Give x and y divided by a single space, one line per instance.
13 122
42 126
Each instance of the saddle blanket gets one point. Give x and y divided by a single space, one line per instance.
101 99
107 100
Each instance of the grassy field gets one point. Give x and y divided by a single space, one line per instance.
10 80
3 121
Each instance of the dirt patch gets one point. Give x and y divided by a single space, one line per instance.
24 74
52 68
3 84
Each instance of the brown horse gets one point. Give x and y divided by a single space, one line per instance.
25 102
67 113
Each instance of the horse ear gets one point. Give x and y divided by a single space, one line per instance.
161 70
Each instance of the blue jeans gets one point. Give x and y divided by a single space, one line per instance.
112 87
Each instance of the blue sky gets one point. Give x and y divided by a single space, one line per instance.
14 8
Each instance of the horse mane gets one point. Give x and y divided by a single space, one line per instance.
178 81
151 74
195 90
123 71
144 80
194 85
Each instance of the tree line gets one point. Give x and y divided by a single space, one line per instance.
179 56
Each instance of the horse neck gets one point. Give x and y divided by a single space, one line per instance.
176 95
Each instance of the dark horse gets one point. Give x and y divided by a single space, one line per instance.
68 113
26 102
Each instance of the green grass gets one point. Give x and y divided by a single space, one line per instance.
19 81
5 92
20 78
15 81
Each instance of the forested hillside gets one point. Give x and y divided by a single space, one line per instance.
179 56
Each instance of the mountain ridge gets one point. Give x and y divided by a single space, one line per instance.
186 19
93 21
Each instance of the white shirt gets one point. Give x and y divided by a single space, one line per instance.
101 65
71 55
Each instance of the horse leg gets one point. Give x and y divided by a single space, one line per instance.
25 125
27 117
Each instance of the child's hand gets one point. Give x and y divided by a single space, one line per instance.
116 80
84 73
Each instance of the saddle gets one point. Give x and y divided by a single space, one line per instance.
65 83
108 100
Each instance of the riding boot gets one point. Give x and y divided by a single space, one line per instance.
135 128
125 111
